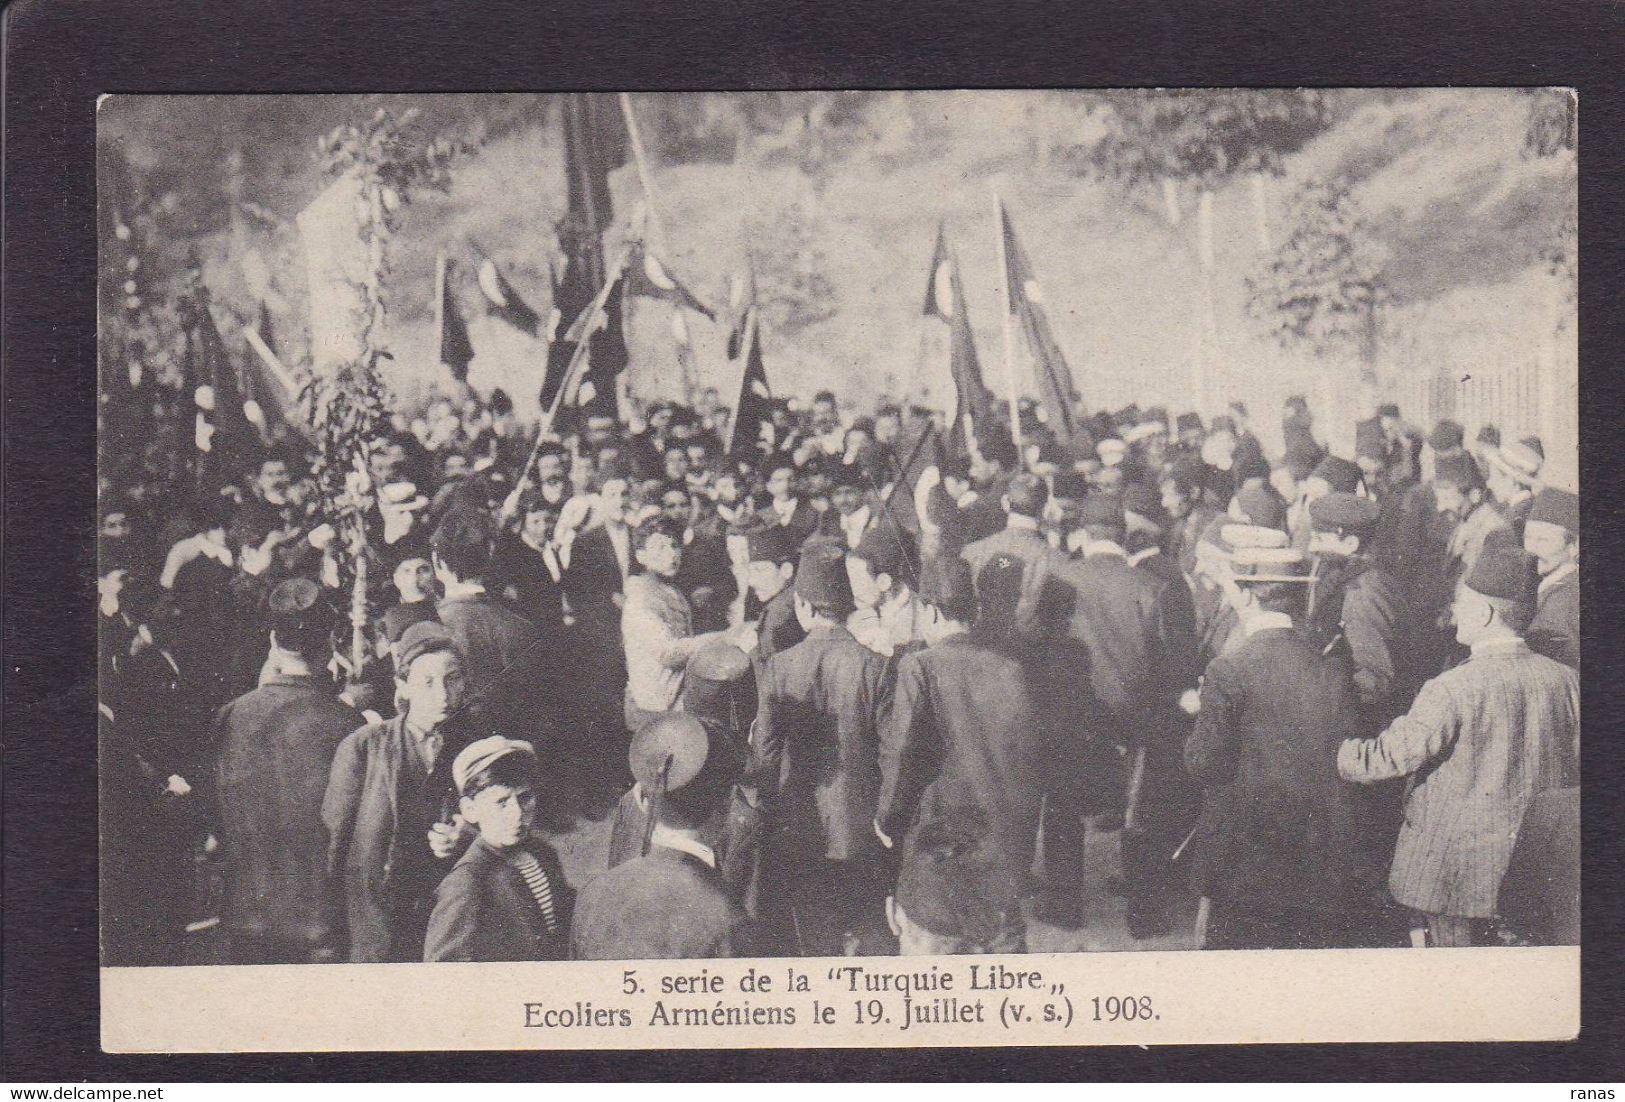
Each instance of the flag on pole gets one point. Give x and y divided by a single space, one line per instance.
945 299
741 301
647 276
456 350
1056 392
503 301
270 397
755 405
223 435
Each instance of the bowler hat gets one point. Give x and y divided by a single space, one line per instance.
1340 512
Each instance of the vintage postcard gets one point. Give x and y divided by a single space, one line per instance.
838 568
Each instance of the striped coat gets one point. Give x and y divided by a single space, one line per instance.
1480 742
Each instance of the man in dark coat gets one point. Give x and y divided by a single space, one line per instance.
1041 600
1355 602
1119 618
1276 848
770 554
499 649
276 746
978 722
1552 535
387 807
531 571
968 513
816 770
670 902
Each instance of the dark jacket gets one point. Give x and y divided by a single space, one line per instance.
974 727
1555 630
484 910
779 630
536 595
378 849
815 743
1117 615
1043 601
1360 605
496 642
276 748
594 580
667 906
1278 828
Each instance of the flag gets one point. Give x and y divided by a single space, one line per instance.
267 400
223 436
755 405
573 291
456 350
741 301
594 144
503 301
647 276
1056 391
945 299
607 357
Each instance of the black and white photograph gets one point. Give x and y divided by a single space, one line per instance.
667 526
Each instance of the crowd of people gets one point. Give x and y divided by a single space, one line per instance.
866 686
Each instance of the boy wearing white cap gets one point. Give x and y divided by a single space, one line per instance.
507 898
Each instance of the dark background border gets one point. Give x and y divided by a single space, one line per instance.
60 54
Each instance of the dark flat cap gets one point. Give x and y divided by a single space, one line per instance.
397 618
425 637
1340 512
1507 573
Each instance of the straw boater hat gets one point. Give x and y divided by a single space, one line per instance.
1517 460
1259 554
402 496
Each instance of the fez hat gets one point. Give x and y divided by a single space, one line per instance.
774 543
1388 409
675 751
424 637
1338 473
1188 421
888 549
1301 458
1261 505
718 686
294 597
481 754
952 883
1458 470
1142 499
948 585
1340 512
1069 484
1559 507
1446 436
821 578
1506 573
1369 440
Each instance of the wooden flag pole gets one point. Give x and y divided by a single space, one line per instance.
644 178
1009 332
289 382
440 309
594 308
